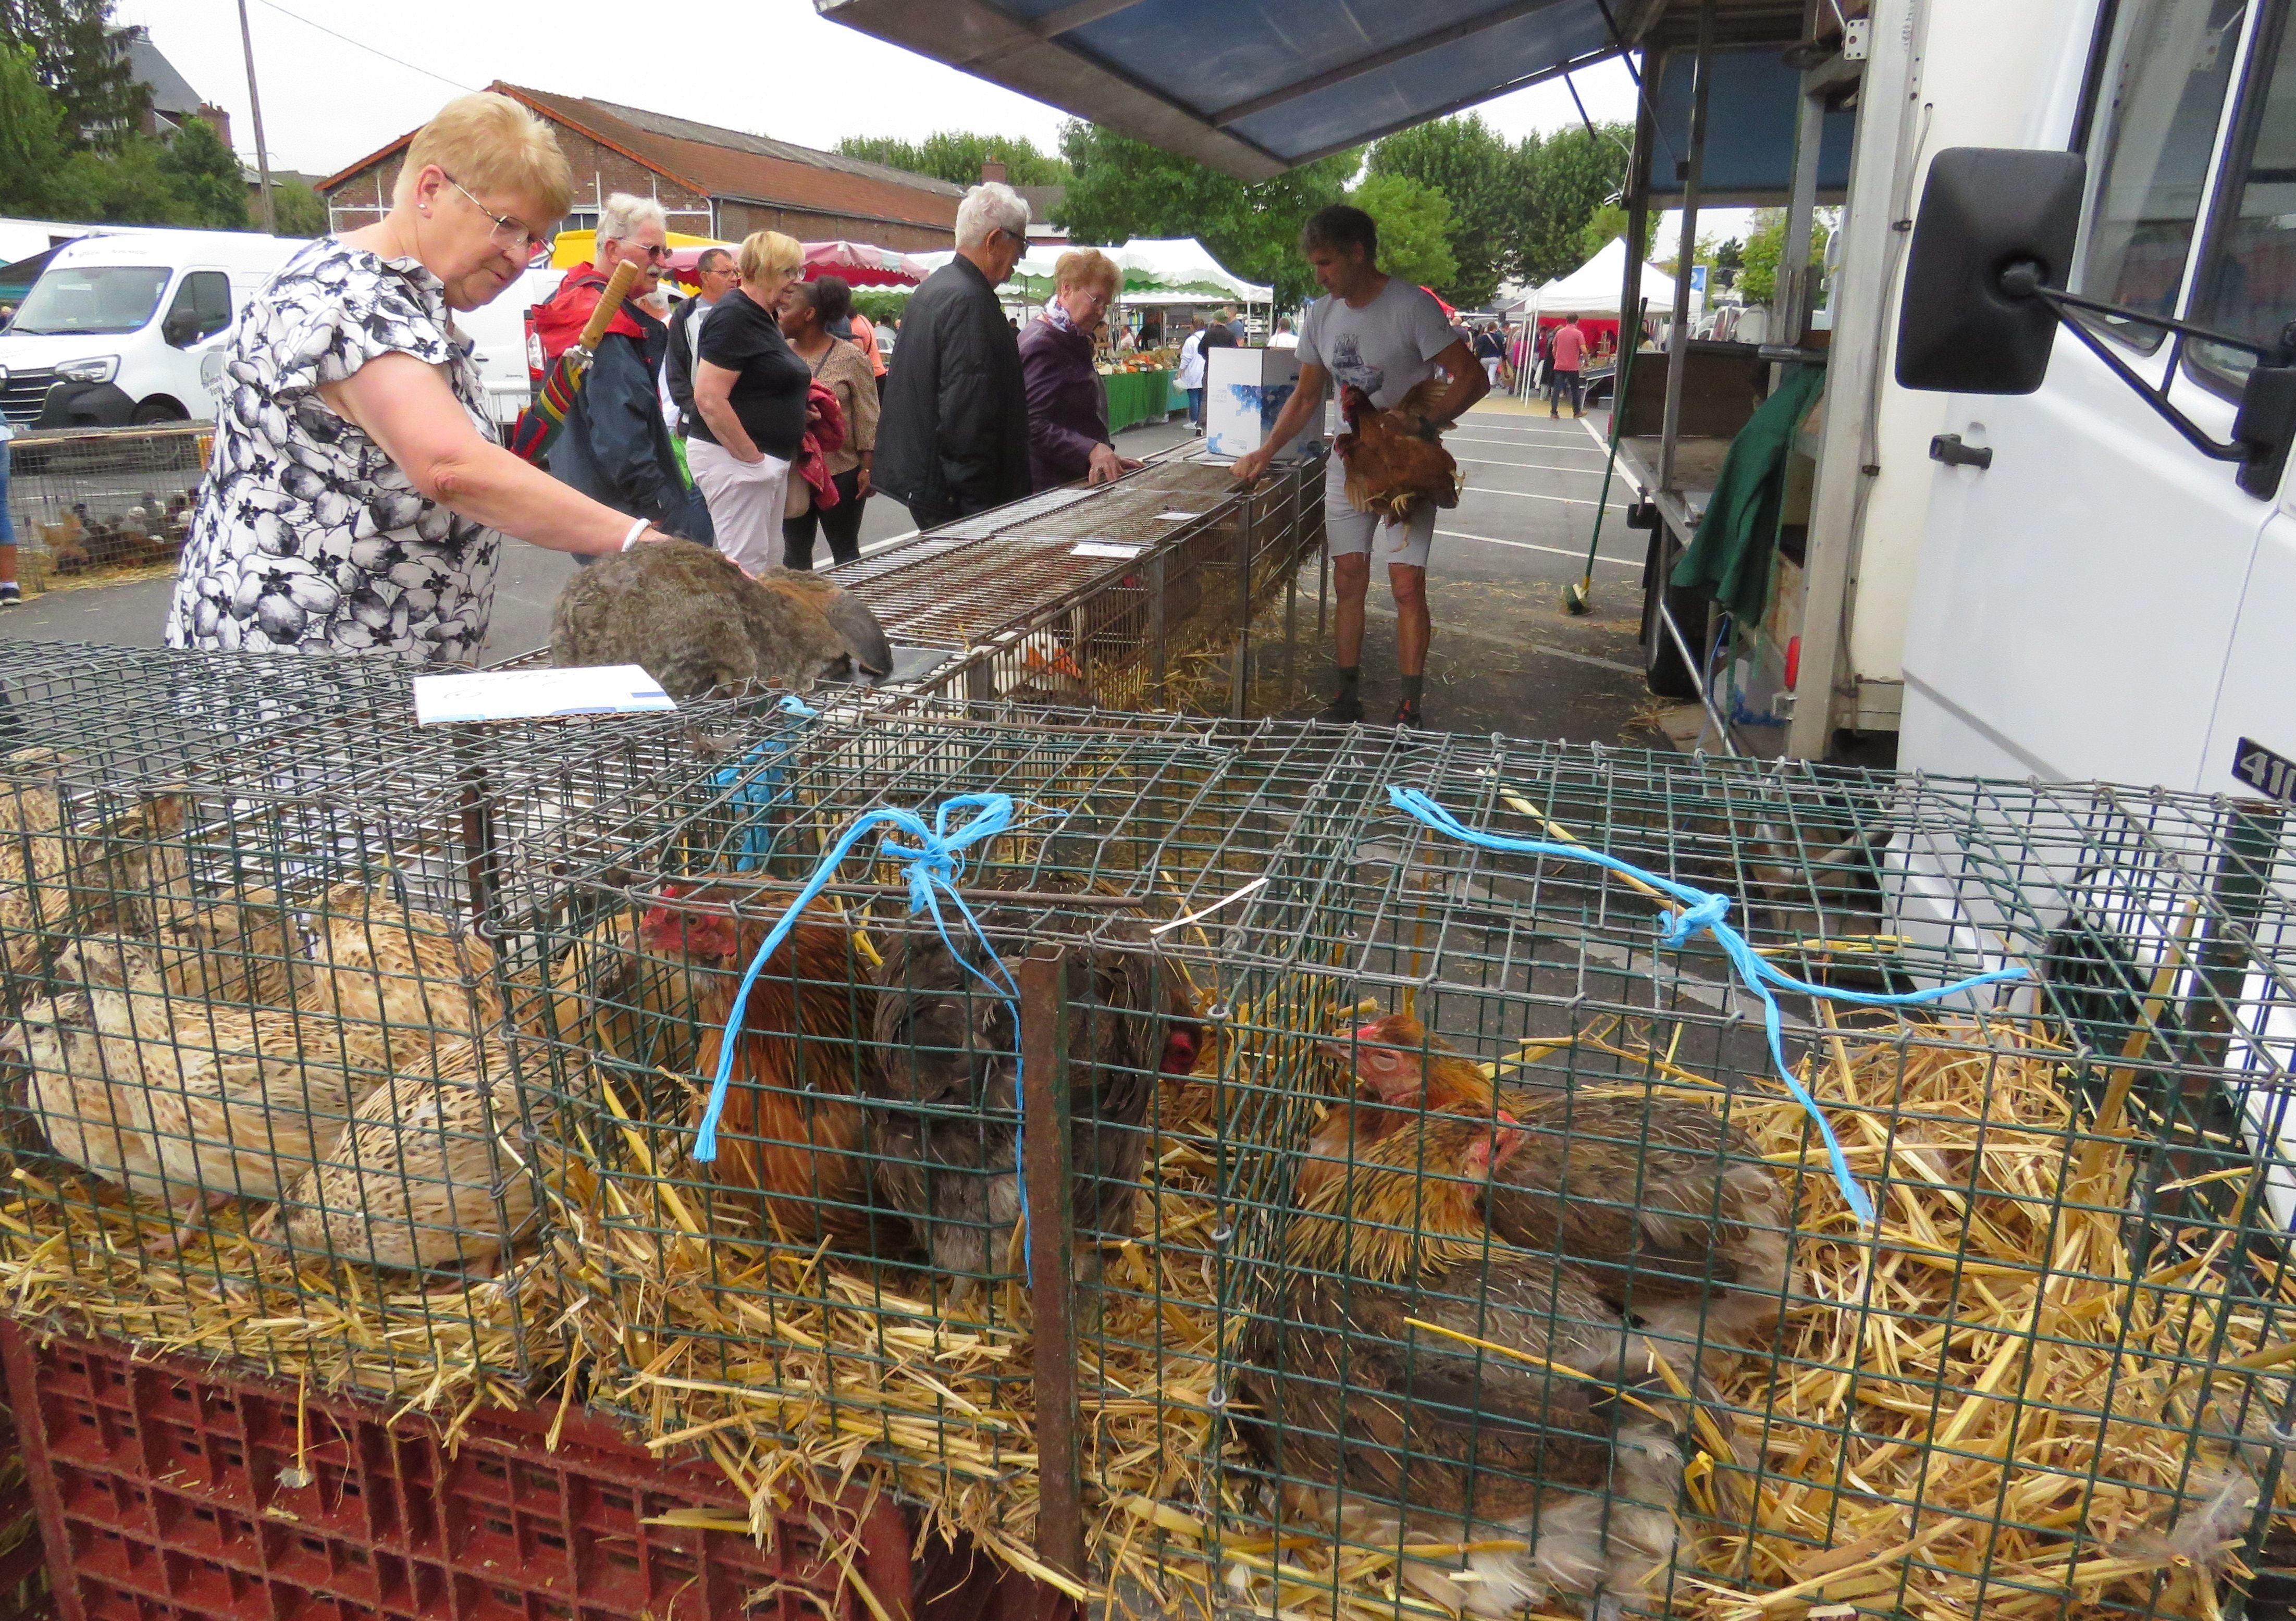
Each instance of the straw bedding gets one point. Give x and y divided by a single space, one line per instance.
2004 1420
1991 1400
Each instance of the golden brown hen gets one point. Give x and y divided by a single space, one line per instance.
236 1107
425 1173
1392 470
790 1127
1665 1203
1552 1469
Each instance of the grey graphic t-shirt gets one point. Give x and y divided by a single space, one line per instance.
1385 348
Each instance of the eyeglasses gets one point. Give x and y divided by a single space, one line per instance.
508 233
657 253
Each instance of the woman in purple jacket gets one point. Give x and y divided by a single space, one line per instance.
1067 412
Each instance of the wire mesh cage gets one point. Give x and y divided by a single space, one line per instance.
104 498
1483 1261
253 934
1260 1167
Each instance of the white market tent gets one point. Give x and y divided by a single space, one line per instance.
1157 270
1593 289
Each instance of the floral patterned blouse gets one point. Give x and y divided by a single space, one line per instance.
307 536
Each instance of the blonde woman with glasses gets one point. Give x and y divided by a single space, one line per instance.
357 499
749 392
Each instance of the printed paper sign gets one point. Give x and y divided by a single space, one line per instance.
483 695
1106 548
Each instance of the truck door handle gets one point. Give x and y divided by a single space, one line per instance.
1948 448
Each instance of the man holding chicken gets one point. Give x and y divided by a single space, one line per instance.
1381 336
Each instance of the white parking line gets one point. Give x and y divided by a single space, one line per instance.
1484 489
1525 545
1544 467
1521 444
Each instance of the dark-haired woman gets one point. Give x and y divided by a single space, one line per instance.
808 310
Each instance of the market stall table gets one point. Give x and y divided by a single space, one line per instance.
1136 396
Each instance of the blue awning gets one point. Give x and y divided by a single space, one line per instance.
1253 87
1751 110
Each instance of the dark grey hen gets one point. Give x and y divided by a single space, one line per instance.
942 1127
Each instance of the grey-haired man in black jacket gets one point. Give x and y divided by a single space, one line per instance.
953 439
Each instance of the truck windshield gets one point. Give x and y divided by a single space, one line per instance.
2248 279
92 298
2167 72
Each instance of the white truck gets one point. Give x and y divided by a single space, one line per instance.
2062 567
2108 573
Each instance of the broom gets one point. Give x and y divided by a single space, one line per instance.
1575 597
540 423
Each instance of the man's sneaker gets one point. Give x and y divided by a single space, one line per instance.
1407 714
1343 710
12 594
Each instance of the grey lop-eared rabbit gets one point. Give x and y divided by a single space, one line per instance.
695 622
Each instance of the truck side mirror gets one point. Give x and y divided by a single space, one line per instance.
1966 324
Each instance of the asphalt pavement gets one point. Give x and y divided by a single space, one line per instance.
1507 657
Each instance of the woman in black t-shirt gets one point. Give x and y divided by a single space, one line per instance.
750 396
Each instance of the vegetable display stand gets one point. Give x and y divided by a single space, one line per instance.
166 1490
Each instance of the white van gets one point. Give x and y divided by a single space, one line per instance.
124 329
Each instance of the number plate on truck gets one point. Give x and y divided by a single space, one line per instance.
2265 770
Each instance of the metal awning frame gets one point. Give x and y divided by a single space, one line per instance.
1870 246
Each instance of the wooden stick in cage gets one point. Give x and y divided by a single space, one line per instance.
1045 1113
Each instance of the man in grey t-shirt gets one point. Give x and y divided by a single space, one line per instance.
1385 337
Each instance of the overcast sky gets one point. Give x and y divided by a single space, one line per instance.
771 67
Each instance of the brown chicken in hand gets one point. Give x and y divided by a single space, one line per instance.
1556 1468
791 1127
1392 469
1665 1204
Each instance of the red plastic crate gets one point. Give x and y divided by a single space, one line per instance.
163 1494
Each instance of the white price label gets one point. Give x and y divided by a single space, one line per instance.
484 695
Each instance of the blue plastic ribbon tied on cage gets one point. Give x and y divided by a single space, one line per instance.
931 863
1701 911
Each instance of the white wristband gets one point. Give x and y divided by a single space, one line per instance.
637 530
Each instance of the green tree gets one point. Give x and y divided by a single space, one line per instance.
127 186
31 137
1729 259
300 210
1415 229
1571 175
1123 188
1766 246
205 177
956 155
1481 177
1608 224
880 304
79 56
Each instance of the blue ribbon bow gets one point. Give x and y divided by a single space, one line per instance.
1702 910
932 866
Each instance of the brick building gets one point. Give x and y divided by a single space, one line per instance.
712 182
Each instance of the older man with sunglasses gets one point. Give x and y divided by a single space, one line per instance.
616 447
